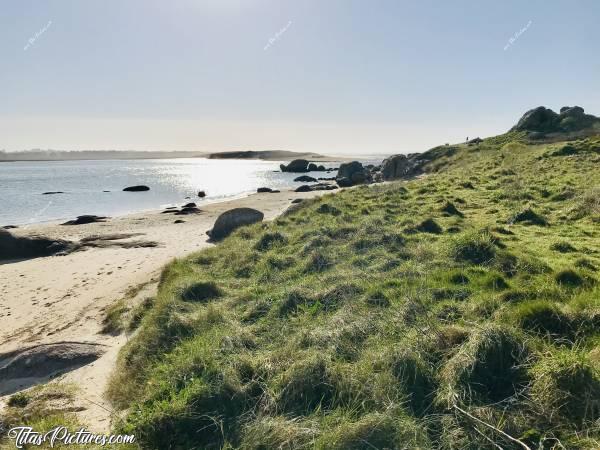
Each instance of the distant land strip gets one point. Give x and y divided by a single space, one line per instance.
60 155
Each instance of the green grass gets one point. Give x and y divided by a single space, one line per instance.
359 320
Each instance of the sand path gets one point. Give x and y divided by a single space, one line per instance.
62 299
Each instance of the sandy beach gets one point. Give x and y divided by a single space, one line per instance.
63 299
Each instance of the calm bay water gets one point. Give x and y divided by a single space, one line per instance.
170 182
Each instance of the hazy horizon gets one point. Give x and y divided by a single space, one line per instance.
336 78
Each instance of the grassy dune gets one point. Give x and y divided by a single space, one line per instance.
460 310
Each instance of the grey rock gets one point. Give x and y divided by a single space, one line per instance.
305 179
347 169
344 182
139 188
230 220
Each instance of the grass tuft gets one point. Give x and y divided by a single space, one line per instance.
201 292
429 226
528 216
567 382
474 247
489 367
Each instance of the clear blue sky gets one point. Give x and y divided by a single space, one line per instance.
363 77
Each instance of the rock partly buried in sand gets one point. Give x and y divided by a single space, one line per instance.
297 200
140 188
303 188
52 192
10 227
201 194
266 189
297 165
85 219
315 187
24 368
230 220
13 247
188 210
179 221
305 179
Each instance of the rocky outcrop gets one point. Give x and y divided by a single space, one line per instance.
201 194
297 165
230 220
544 120
13 247
139 188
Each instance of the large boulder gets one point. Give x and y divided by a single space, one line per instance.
230 220
312 167
352 173
346 170
13 247
297 165
396 166
537 119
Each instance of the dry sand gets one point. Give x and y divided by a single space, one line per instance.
62 299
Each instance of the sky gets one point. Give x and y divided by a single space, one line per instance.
363 77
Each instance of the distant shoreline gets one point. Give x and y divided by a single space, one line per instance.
265 155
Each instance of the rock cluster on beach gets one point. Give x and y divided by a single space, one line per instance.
188 208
